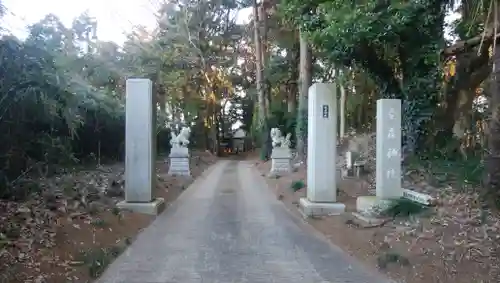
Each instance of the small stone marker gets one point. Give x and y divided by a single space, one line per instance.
322 152
354 166
348 160
388 170
140 149
347 169
421 198
359 168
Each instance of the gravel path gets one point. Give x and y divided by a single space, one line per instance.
228 227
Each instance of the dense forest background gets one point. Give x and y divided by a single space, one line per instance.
62 89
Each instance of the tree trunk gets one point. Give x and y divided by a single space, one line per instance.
493 159
342 111
291 99
265 56
471 71
261 91
258 67
217 134
294 78
258 63
305 80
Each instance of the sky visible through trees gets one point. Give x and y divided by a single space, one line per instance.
115 17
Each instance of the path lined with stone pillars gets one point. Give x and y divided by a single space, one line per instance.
228 227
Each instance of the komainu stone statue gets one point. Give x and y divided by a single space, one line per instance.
278 140
281 155
179 153
181 140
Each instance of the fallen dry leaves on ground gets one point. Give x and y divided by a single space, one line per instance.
456 241
42 236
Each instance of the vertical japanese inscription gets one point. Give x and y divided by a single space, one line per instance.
326 111
391 135
388 179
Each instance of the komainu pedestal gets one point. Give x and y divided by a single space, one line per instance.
281 159
179 162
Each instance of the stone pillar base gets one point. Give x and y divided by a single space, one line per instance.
312 209
371 205
368 209
155 207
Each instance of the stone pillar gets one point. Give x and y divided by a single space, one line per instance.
321 152
388 170
281 161
179 162
140 150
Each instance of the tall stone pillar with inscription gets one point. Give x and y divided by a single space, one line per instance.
321 152
388 170
140 149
